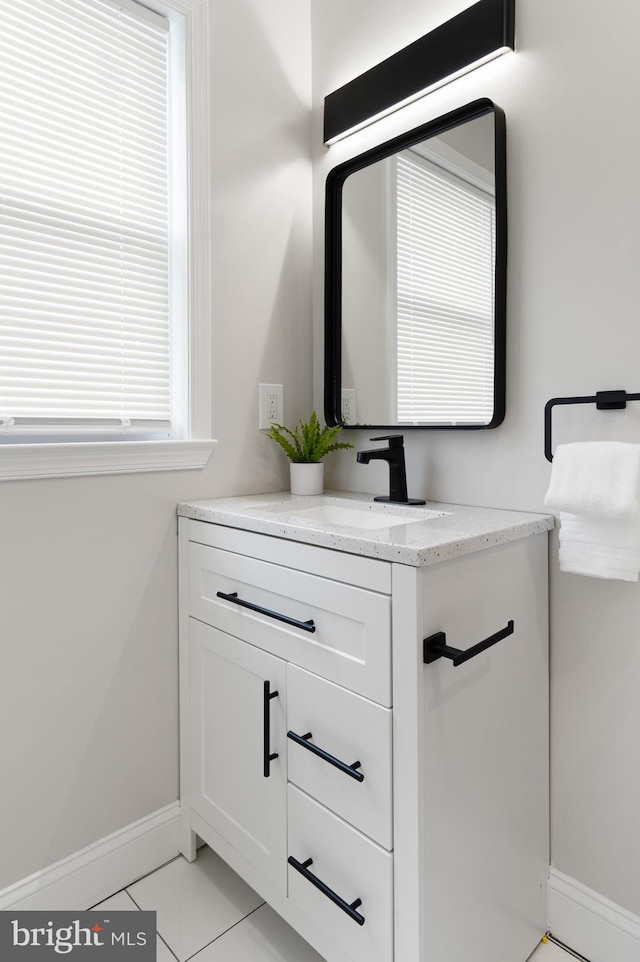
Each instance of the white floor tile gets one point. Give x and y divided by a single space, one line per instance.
195 903
163 954
120 902
549 952
262 937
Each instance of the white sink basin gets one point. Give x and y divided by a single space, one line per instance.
354 514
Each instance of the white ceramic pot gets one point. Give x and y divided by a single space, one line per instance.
307 478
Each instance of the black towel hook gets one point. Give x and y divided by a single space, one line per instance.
603 400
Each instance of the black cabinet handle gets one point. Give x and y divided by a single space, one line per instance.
233 597
435 646
268 755
320 752
349 908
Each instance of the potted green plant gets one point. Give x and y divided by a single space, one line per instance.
306 447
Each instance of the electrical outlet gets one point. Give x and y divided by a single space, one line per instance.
271 405
348 405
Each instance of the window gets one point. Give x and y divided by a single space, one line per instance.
445 282
95 306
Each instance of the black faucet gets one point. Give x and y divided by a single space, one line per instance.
394 456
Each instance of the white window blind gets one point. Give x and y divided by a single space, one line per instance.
84 257
445 296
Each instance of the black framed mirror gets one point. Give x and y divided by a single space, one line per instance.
415 278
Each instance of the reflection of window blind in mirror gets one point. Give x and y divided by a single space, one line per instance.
444 296
84 326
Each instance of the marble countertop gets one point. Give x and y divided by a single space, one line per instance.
443 531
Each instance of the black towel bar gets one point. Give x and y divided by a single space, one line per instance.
603 400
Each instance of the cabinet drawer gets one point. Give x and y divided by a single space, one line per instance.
349 641
351 866
351 729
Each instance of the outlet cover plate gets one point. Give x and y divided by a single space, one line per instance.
271 405
349 405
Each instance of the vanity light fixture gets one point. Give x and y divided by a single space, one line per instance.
481 33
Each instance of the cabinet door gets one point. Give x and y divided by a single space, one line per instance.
237 724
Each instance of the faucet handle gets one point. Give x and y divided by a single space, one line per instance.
395 440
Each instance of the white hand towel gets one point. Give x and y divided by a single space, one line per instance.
599 560
600 479
598 571
595 487
623 533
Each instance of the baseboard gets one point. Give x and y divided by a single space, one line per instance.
96 872
590 924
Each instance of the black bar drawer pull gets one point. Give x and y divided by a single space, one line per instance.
349 908
233 597
435 646
320 752
268 755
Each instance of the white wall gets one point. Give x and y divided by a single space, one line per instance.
88 578
570 96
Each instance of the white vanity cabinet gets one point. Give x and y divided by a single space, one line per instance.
388 809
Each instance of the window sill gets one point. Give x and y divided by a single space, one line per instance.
23 461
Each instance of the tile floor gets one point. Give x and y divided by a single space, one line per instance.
206 913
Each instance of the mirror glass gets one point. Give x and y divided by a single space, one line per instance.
415 283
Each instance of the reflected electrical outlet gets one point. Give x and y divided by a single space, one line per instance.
349 405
